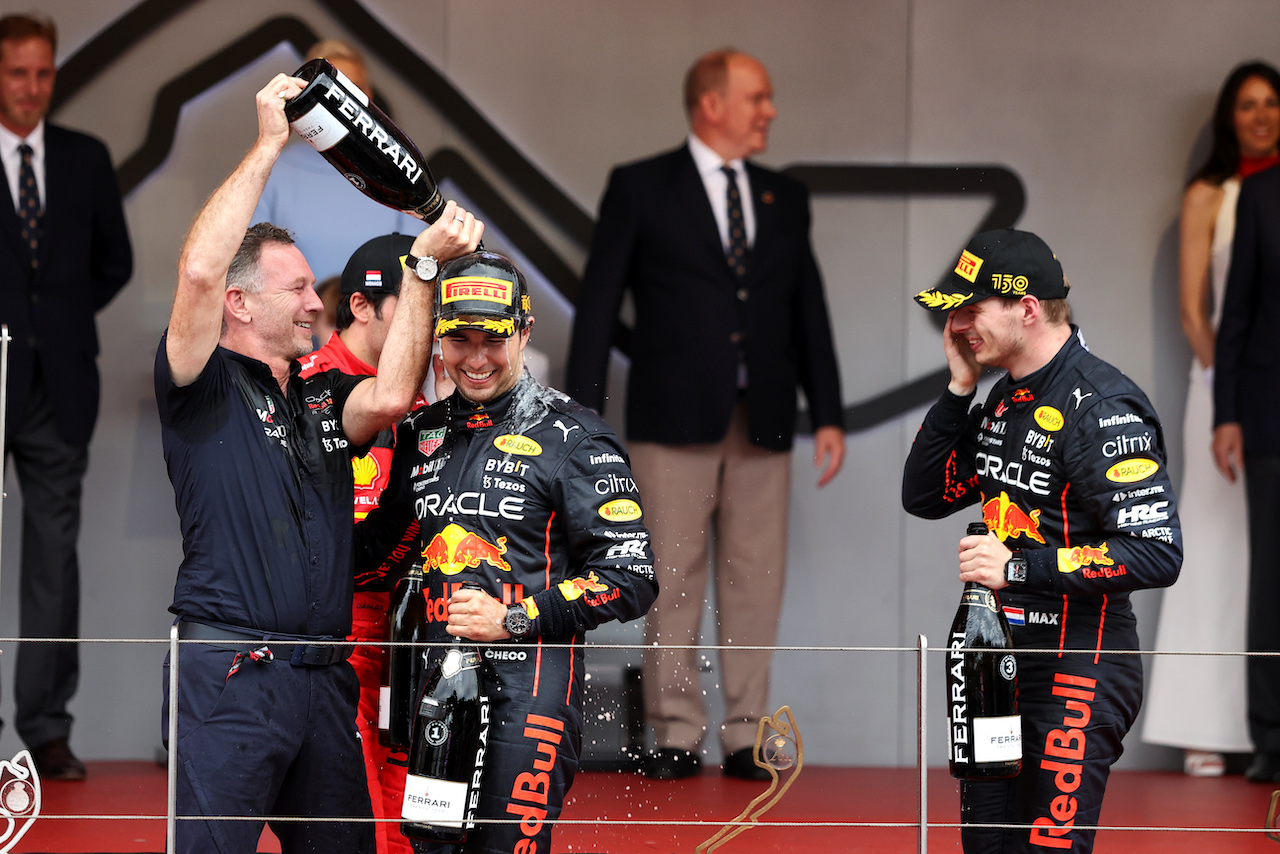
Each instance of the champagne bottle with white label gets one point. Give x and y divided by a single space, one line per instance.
402 665
361 142
446 761
984 729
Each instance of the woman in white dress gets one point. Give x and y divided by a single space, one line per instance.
1198 702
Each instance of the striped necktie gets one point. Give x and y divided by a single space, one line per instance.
29 205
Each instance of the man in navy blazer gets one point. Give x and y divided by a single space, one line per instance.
63 255
1246 439
730 319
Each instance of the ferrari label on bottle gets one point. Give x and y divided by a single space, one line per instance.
431 801
997 739
320 127
384 707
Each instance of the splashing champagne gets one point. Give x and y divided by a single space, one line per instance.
358 139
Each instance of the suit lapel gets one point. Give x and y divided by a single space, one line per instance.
9 223
763 203
59 188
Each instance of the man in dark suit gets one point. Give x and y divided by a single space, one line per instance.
64 254
1246 438
730 318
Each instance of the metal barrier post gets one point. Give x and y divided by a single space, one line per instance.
171 821
922 753
4 405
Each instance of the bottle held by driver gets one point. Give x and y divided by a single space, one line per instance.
984 729
446 760
361 142
402 665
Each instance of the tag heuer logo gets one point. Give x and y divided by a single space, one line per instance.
430 440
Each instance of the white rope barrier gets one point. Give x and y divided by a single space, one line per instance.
921 824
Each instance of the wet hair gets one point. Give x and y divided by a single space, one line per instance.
244 269
346 317
710 73
1224 157
22 27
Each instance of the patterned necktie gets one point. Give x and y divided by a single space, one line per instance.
737 252
29 205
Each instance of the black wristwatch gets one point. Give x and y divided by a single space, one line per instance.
424 268
517 622
1015 571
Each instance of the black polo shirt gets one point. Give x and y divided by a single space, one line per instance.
262 484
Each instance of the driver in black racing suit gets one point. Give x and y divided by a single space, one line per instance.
512 485
1066 459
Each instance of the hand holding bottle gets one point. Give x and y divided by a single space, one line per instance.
477 616
456 233
982 559
273 127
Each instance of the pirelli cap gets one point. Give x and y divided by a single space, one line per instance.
377 266
1001 263
482 291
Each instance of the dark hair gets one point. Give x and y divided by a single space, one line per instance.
22 27
243 272
1224 158
345 316
710 73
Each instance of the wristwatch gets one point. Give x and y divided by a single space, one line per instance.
1015 571
517 622
424 268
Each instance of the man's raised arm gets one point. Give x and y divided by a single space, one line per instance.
196 321
383 400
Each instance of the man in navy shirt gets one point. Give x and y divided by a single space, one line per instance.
260 461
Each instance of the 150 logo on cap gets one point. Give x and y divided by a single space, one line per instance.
476 288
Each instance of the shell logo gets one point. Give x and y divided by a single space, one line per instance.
512 443
364 470
1049 418
620 510
1132 471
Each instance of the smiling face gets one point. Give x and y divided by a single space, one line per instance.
993 330
482 365
26 83
285 305
1257 118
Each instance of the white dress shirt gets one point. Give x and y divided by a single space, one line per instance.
716 183
11 158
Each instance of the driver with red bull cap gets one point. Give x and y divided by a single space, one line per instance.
1066 459
513 485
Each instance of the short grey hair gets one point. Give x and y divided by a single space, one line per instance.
244 270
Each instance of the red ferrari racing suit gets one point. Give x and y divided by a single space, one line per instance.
1068 466
384 767
532 497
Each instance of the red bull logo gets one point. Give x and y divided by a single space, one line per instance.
479 420
455 549
576 588
1008 521
1069 560
1023 395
